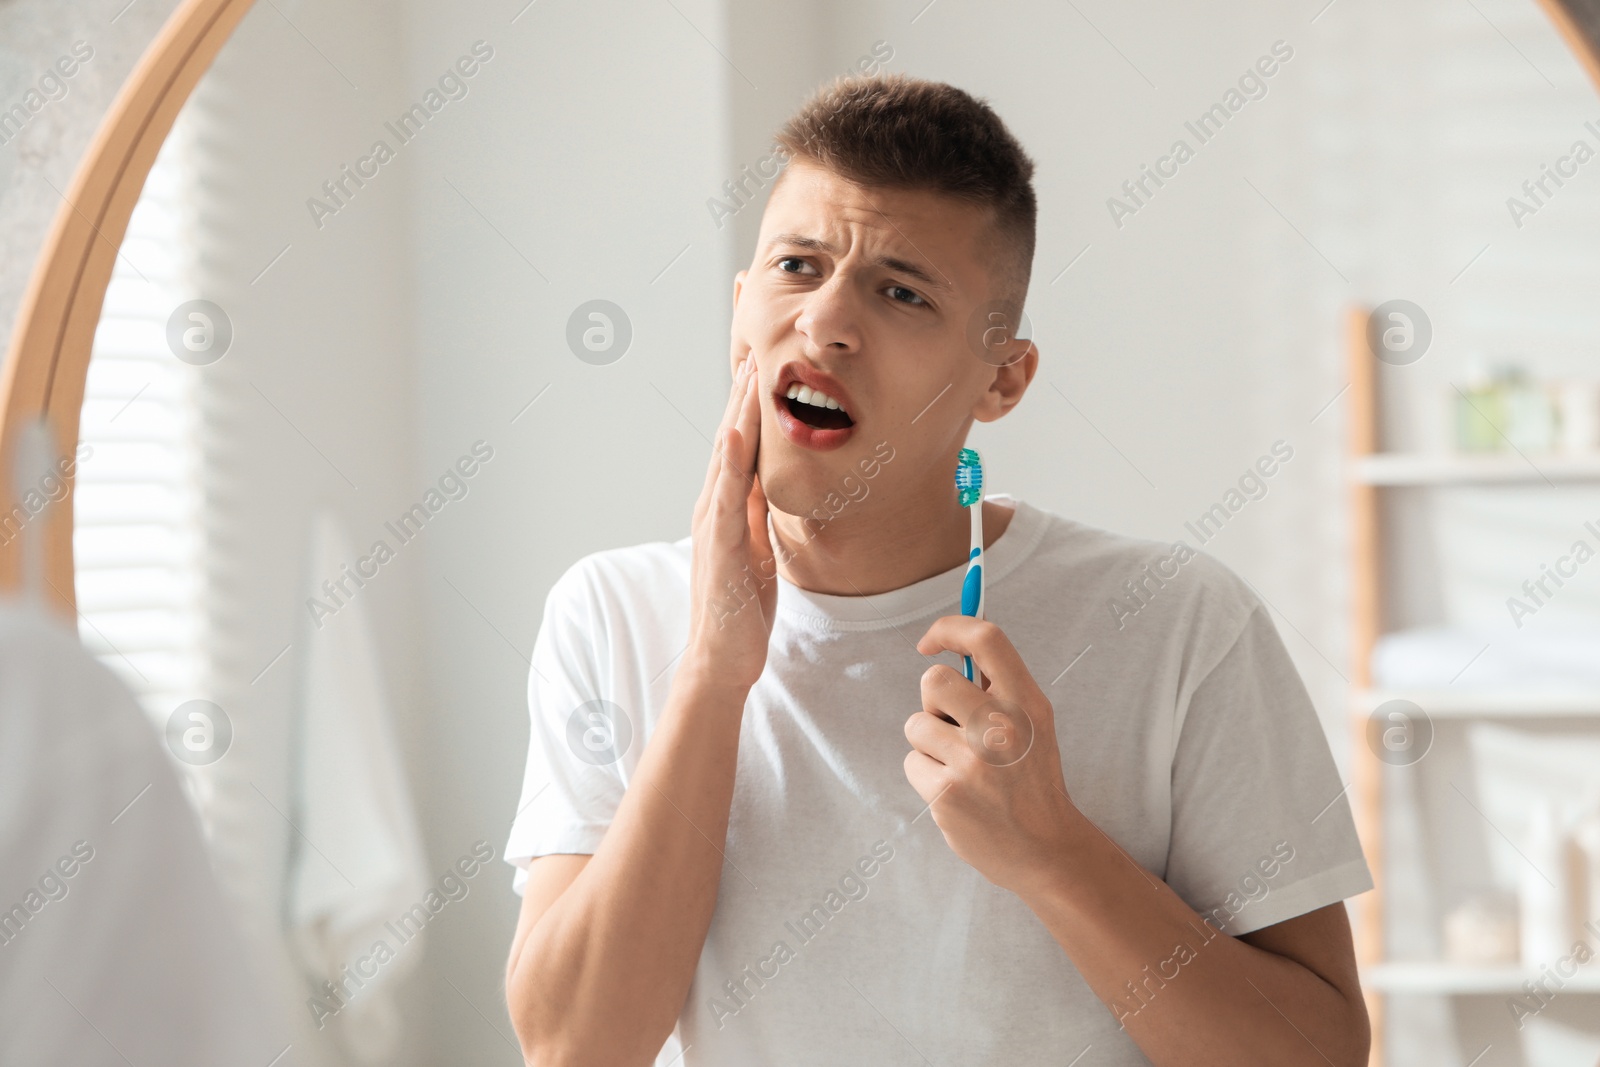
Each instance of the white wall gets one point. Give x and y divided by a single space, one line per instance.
313 405
590 143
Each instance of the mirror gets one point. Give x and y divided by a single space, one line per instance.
422 304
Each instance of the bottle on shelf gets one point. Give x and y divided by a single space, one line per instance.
1482 931
1529 412
1578 415
1479 415
1502 407
1586 836
1545 897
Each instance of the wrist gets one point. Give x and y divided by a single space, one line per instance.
1060 873
699 675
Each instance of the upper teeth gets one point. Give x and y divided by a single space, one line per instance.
815 397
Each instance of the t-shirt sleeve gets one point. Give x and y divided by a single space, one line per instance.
567 801
1261 824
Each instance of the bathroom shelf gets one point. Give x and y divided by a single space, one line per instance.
1399 468
1483 704
1457 979
1371 475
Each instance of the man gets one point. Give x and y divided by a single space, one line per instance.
1127 847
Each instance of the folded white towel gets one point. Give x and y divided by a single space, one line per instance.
359 862
1551 659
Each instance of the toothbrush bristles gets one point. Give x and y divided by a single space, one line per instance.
969 477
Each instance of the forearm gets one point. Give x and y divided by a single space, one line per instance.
1184 991
630 928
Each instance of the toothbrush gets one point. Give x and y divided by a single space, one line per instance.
969 484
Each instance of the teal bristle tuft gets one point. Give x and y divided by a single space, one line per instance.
969 478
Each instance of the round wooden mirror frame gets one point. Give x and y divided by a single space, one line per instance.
48 360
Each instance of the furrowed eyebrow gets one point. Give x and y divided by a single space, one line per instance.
909 269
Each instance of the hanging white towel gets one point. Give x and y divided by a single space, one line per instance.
117 945
358 863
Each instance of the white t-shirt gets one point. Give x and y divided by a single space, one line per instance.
846 930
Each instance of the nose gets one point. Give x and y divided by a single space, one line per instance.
831 320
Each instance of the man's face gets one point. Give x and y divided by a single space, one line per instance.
870 293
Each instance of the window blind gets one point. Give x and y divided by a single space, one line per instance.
138 529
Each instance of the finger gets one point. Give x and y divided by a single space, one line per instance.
760 538
736 391
991 650
748 418
736 395
935 738
749 424
926 775
945 692
730 494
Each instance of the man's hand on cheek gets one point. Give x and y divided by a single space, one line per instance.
993 776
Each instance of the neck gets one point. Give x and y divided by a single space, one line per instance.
878 549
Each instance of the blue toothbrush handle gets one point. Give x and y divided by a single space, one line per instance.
972 601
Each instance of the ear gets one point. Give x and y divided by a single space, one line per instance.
1010 382
738 286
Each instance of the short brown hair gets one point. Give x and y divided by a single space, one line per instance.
899 132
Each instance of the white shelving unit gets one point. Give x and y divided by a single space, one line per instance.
1485 704
1370 473
1399 469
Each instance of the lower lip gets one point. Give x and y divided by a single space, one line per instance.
818 440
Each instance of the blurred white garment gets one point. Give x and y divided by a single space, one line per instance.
116 943
364 866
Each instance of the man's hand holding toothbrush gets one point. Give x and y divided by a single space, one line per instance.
993 775
995 787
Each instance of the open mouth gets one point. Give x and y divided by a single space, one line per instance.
816 409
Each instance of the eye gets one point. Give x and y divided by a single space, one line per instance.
915 300
790 259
